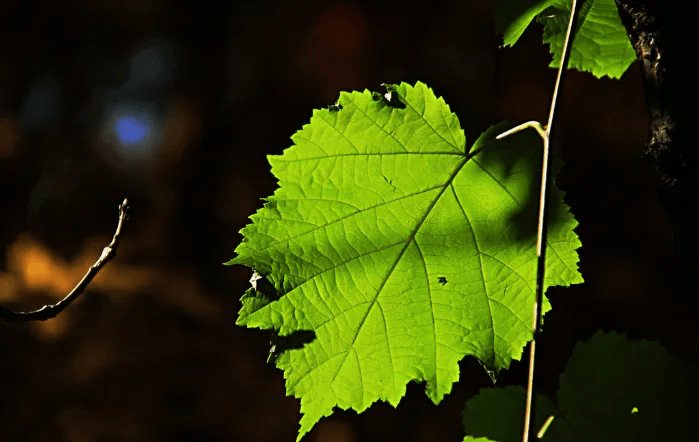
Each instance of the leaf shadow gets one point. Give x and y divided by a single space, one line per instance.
295 340
523 150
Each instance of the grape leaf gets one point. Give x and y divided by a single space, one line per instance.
600 43
613 389
498 413
401 249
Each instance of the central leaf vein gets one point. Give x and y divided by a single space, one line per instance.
410 238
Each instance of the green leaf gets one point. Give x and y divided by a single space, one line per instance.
401 249
600 43
613 389
512 17
498 413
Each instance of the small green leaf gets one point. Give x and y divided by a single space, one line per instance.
512 17
600 46
498 413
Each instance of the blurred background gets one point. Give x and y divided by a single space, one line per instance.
175 105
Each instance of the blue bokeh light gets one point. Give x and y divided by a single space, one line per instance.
130 130
132 133
132 119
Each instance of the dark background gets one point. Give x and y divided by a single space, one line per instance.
150 352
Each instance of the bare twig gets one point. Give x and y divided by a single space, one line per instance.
51 311
542 231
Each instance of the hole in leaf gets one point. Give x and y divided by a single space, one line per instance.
442 280
264 286
390 97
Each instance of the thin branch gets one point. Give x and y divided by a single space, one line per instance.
51 311
542 230
529 431
533 124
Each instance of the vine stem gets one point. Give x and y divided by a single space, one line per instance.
542 229
51 311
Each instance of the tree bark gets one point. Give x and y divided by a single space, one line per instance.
667 150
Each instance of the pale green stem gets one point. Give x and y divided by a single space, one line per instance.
541 230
